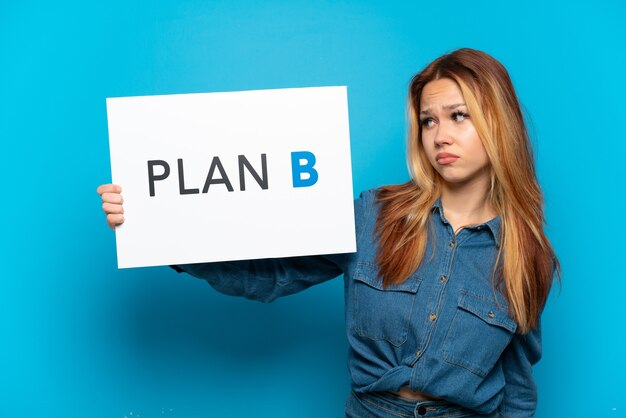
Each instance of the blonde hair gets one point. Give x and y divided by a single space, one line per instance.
526 260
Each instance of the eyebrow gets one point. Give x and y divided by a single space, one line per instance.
445 107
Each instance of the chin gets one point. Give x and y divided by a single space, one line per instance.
459 179
452 179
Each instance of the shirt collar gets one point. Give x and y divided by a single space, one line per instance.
492 224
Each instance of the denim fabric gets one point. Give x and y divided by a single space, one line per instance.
444 331
389 405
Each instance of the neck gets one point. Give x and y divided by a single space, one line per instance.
467 203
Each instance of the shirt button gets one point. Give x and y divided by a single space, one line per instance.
433 316
491 315
421 410
442 279
452 244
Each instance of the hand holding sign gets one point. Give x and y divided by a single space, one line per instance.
112 204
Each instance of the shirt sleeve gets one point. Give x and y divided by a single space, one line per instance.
267 279
520 391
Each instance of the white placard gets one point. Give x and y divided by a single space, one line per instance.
179 158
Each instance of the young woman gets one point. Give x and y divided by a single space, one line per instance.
443 297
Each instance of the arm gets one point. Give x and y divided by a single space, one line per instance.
520 391
267 279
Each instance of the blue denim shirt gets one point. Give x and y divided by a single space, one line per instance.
444 331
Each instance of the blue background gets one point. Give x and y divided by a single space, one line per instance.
80 338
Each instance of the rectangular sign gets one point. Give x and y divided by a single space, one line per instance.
232 176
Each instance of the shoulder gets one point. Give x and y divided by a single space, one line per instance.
393 193
396 195
367 202
365 211
368 195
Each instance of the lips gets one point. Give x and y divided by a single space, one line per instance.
446 158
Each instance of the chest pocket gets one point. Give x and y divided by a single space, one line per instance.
479 332
382 314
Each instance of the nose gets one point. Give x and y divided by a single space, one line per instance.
442 136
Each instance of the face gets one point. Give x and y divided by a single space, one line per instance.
450 140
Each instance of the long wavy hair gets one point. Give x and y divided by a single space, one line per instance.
526 260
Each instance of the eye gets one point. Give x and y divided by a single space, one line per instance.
426 121
458 114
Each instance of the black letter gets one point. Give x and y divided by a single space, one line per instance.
152 178
262 182
181 180
209 179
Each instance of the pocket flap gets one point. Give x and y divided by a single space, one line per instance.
487 310
367 273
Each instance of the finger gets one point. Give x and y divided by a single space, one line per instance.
112 198
109 188
115 219
109 208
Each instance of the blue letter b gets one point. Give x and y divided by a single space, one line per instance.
297 170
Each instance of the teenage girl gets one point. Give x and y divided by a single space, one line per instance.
444 296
